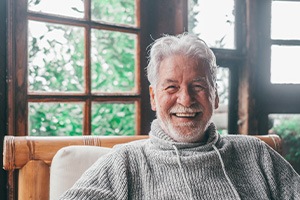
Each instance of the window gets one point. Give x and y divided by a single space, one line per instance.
280 58
77 66
214 24
285 38
285 64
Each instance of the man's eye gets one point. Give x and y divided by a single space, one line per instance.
199 87
171 88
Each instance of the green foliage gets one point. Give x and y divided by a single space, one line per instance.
55 119
223 132
113 119
114 11
113 61
289 130
34 2
56 58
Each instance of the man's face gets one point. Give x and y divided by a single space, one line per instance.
184 98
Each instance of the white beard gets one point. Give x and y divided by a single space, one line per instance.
195 134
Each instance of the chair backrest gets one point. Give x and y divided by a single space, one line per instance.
68 165
31 157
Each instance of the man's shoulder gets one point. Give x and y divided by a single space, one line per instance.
242 140
241 145
239 137
136 145
122 152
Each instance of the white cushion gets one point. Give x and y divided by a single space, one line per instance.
68 165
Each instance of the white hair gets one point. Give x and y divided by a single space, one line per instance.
184 44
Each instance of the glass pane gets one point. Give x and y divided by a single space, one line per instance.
285 20
55 57
71 8
113 58
113 119
214 24
114 11
287 126
220 118
55 119
285 64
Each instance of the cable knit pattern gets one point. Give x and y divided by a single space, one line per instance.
150 169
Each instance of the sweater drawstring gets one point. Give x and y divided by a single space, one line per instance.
225 173
182 172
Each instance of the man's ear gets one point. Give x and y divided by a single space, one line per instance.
216 99
152 98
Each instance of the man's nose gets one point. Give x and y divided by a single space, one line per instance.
185 98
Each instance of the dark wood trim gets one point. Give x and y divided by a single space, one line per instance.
11 74
229 54
262 67
74 98
233 100
247 112
3 94
146 24
10 67
241 27
286 42
21 68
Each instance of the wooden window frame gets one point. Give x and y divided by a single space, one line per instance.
17 70
271 98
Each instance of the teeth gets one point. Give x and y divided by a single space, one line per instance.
185 114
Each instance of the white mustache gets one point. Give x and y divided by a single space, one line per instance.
182 109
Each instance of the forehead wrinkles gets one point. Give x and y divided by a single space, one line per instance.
175 59
168 80
200 79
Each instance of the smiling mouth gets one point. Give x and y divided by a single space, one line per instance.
186 115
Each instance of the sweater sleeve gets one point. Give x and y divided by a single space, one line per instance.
106 179
283 180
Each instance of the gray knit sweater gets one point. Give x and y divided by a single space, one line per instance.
229 167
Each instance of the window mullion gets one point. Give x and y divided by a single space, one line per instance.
87 70
20 68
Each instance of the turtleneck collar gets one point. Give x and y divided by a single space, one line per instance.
161 139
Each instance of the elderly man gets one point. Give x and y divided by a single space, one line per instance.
185 157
